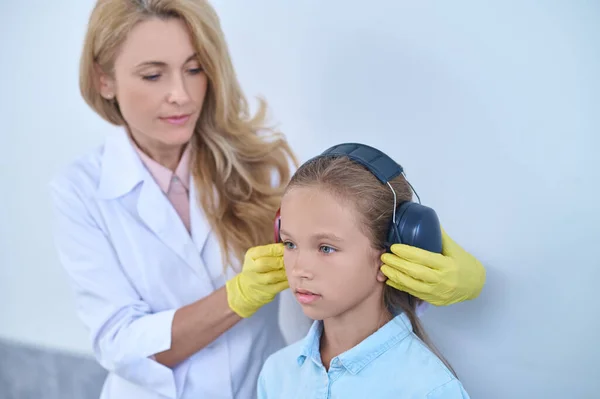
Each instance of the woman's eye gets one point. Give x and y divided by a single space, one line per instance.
151 77
195 71
288 245
326 249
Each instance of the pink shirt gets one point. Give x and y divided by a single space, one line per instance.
175 185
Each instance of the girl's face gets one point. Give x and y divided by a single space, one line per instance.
158 82
331 266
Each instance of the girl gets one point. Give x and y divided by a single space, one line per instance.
163 230
367 341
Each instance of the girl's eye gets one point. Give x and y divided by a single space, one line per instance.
288 245
327 249
195 71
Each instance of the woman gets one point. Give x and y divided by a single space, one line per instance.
164 230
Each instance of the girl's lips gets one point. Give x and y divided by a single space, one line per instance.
306 297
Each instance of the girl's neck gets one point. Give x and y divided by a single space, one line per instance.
343 332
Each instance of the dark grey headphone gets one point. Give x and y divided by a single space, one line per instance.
412 223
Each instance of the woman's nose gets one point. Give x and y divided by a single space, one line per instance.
178 91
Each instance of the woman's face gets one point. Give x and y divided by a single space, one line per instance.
158 83
331 266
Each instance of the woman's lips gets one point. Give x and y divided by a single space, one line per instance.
306 297
176 119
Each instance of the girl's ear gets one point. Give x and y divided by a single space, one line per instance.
377 261
381 277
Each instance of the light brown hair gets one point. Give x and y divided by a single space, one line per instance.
353 184
235 155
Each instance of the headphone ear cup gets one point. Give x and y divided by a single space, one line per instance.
418 226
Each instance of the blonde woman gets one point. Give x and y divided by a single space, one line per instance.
165 230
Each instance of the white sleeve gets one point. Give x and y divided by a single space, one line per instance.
125 333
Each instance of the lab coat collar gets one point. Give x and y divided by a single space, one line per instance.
122 168
122 171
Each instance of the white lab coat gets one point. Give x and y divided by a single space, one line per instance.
132 264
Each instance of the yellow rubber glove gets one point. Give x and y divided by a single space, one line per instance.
261 279
440 279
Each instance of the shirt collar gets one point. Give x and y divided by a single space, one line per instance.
164 175
310 347
123 167
356 358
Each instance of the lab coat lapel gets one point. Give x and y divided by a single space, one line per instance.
200 226
122 172
160 217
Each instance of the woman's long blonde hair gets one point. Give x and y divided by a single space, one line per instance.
354 184
235 156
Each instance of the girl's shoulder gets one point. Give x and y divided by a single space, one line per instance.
412 364
283 360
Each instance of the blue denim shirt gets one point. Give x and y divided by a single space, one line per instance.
390 363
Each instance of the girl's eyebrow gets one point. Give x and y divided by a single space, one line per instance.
318 236
327 236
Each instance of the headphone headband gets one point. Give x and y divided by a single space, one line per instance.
379 164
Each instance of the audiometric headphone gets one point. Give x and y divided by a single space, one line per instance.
412 223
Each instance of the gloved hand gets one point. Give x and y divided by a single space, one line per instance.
440 279
261 279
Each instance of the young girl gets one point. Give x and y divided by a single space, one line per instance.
366 341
